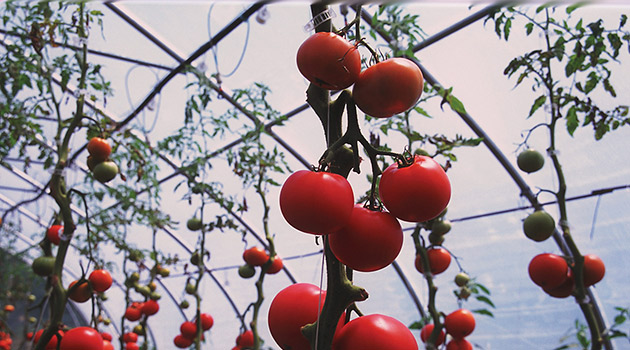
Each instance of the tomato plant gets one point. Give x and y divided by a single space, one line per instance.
375 332
548 270
82 338
417 192
370 241
292 308
439 260
329 61
101 280
388 87
316 202
459 323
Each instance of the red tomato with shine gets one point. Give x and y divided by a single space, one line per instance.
375 332
81 293
107 345
329 61
132 346
459 344
82 338
133 313
99 149
370 241
245 339
52 343
316 202
130 337
388 87
54 233
425 333
188 329
206 321
548 270
459 323
276 265
150 307
415 193
255 256
593 270
182 342
292 308
439 260
101 280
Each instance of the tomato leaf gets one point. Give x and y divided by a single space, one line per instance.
485 299
483 312
537 104
572 120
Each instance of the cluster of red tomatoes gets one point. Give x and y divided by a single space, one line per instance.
458 324
82 290
5 341
365 239
188 330
386 88
258 257
299 304
103 169
555 276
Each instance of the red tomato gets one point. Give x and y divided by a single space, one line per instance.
316 202
375 332
245 339
52 343
132 346
565 289
107 345
276 265
206 321
188 329
425 333
130 337
548 270
459 323
82 338
81 293
255 256
439 260
370 241
150 307
388 87
106 336
593 270
101 280
54 233
182 342
329 61
292 308
99 149
133 313
416 193
9 308
459 344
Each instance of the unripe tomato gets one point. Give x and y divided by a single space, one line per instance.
293 307
539 226
426 331
370 241
54 233
101 280
82 338
43 265
530 160
194 224
255 256
105 171
593 270
81 293
459 344
459 323
182 342
316 202
461 279
246 271
415 193
388 87
375 331
329 61
439 260
548 270
99 148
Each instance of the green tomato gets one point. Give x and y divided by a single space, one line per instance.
441 227
246 271
105 171
530 161
43 265
539 226
461 279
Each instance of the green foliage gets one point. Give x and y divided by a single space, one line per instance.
585 53
403 28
